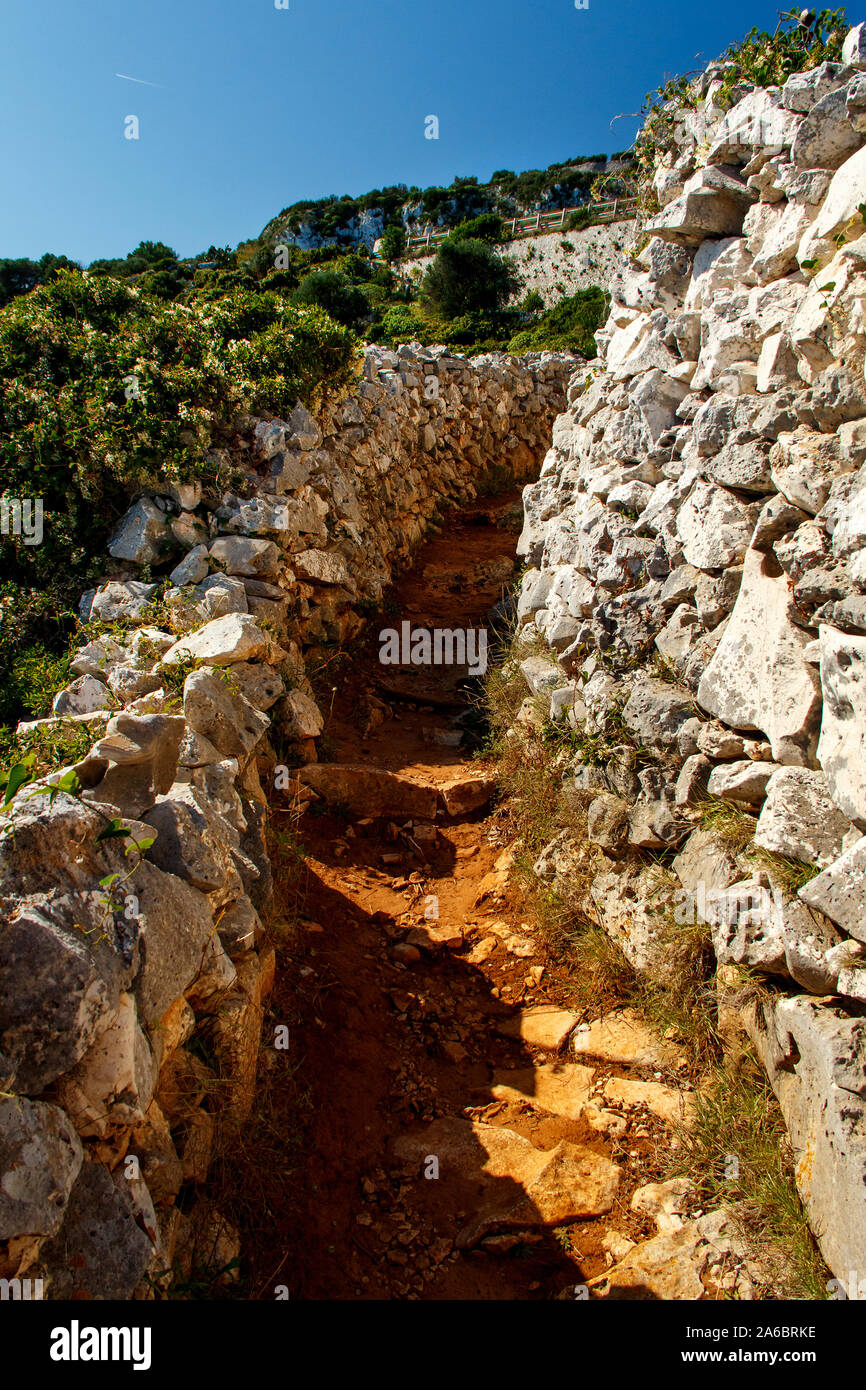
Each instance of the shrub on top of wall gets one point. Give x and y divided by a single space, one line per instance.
104 390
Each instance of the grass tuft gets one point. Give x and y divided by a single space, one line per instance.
738 1154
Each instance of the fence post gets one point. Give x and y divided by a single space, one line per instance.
615 201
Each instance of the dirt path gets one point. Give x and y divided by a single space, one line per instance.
405 986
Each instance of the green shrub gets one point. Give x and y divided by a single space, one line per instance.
761 58
148 255
23 275
394 241
72 431
577 220
334 292
405 323
569 325
35 628
768 60
532 303
468 277
488 227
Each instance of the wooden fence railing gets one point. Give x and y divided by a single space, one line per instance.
612 211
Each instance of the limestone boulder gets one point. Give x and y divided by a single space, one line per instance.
638 348
371 792
713 203
634 905
745 927
101 1251
64 960
743 783
112 1084
134 762
241 555
804 466
842 746
839 892
840 207
328 568
40 1159
83 696
223 716
261 685
799 819
826 137
221 594
815 1057
656 711
143 535
193 568
119 600
758 677
223 641
512 1183
714 527
803 90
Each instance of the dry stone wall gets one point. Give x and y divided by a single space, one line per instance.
132 896
696 547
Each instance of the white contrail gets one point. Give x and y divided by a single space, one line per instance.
136 79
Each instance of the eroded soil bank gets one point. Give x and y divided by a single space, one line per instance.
427 1031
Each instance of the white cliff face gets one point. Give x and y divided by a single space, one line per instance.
702 503
560 263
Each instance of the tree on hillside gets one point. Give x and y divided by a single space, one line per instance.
336 294
23 275
394 241
488 227
468 277
148 255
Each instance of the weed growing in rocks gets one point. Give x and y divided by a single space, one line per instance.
736 827
738 1154
790 874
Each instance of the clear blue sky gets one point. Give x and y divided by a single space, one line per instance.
257 107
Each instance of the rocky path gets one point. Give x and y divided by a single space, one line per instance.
450 1121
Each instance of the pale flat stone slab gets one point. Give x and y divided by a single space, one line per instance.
559 1088
516 1184
542 1026
669 1103
623 1037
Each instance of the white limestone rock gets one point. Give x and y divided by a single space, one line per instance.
840 891
799 820
743 783
143 535
842 746
235 637
804 466
714 527
758 677
83 696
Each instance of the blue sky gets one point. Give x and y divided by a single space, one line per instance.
256 107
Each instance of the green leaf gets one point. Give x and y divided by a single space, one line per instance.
809 265
19 773
141 845
108 880
116 830
830 285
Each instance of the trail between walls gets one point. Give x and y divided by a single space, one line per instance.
446 1122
